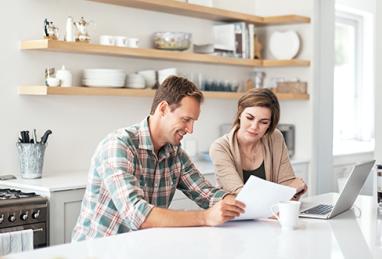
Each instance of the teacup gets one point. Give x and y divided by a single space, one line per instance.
106 40
288 212
132 42
120 41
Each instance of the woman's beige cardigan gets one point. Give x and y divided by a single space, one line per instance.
225 156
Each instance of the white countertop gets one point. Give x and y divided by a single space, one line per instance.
77 180
49 183
356 234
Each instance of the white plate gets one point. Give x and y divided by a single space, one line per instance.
284 45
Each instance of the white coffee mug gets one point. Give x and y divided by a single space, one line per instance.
132 42
120 41
106 40
288 212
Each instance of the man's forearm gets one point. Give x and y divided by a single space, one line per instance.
160 217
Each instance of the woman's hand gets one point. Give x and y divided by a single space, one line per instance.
300 187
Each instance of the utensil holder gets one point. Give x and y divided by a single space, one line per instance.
31 158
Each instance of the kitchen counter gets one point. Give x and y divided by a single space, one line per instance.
356 233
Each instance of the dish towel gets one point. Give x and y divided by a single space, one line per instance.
17 241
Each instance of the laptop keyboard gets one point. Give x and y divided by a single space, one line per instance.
321 209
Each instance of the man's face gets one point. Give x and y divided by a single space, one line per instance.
180 121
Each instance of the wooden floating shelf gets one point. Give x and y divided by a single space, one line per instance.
97 49
106 91
204 12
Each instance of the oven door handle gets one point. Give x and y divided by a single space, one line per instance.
38 230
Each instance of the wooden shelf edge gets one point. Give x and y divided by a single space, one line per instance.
292 96
285 19
186 9
105 91
97 49
205 12
285 63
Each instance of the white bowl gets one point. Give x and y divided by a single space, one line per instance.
149 76
164 73
52 81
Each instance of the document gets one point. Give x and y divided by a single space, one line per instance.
260 195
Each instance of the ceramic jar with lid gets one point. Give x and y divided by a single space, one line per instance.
65 76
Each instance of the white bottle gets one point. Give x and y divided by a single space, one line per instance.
69 34
65 76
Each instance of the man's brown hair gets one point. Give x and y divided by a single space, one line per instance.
260 97
173 90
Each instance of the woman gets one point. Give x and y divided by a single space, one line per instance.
254 146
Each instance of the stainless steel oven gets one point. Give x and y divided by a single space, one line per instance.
288 131
21 210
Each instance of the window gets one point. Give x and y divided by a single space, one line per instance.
353 125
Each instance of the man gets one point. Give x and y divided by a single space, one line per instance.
135 171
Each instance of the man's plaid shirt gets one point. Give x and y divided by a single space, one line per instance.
127 179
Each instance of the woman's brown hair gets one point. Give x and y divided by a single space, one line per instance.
260 97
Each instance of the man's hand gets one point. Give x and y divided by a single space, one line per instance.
226 209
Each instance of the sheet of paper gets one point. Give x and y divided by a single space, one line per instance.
260 195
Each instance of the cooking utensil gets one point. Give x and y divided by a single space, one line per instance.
25 136
44 137
35 135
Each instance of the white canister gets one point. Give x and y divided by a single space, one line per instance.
65 76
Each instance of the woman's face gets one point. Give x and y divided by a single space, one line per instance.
254 123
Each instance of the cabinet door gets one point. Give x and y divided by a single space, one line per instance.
64 210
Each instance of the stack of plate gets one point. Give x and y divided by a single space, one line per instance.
104 77
135 81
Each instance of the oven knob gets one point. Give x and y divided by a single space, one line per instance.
1 218
24 216
36 214
12 218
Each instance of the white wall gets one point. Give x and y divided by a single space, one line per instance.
78 123
378 84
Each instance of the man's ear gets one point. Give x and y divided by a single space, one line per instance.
163 108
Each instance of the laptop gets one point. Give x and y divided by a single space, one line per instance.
346 198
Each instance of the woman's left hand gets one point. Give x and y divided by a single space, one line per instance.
300 187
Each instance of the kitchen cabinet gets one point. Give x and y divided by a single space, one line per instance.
173 7
64 209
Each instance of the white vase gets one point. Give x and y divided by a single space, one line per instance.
69 33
